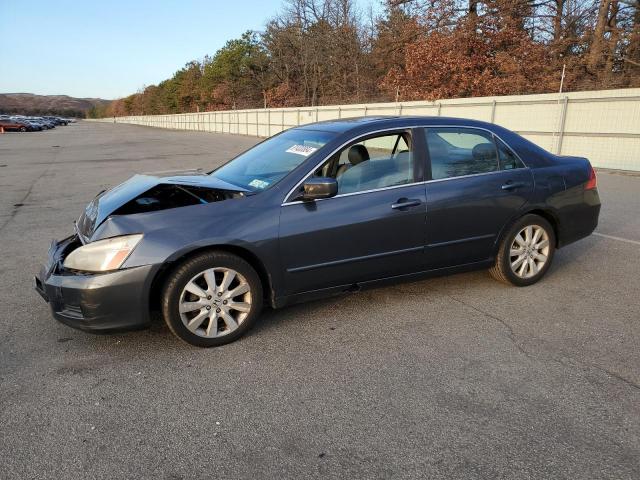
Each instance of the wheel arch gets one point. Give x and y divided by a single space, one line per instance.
545 213
161 276
550 217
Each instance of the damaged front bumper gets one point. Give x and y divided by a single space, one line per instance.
103 302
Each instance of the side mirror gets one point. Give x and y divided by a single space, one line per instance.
319 187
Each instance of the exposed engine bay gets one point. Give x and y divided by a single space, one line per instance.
164 196
151 193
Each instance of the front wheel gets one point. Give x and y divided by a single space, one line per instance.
526 252
212 299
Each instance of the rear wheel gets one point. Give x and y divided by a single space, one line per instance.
212 299
23 129
526 252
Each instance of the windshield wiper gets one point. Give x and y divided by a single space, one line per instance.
202 200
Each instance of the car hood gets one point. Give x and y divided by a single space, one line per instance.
152 192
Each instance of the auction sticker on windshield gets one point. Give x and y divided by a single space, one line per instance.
261 184
301 150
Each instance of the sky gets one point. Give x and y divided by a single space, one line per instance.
112 48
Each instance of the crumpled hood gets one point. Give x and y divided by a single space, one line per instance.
154 192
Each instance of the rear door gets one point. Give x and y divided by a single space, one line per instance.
477 184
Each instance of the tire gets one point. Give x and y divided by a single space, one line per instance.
23 129
207 316
535 238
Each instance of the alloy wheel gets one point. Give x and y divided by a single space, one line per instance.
529 251
215 302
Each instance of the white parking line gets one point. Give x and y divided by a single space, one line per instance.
611 237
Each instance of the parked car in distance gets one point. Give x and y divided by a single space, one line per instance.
32 123
37 126
10 125
57 120
48 124
317 210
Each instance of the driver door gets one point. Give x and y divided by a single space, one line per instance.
373 228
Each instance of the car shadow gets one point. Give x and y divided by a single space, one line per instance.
159 336
576 252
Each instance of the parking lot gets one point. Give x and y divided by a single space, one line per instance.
455 377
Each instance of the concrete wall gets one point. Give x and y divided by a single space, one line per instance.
603 126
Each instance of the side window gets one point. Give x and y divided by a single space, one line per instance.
455 152
508 159
376 162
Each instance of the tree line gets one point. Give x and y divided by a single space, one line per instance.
320 52
39 112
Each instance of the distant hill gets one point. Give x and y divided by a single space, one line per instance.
30 104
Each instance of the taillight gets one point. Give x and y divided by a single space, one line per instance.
592 182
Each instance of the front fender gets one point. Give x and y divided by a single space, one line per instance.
172 234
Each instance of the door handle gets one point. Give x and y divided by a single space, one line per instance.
403 203
512 185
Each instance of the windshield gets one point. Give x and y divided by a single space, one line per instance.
268 162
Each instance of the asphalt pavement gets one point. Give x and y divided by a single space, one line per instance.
455 377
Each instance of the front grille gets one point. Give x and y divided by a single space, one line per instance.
65 247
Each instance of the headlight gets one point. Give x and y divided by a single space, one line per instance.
103 255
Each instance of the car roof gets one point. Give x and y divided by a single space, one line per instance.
357 126
345 125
